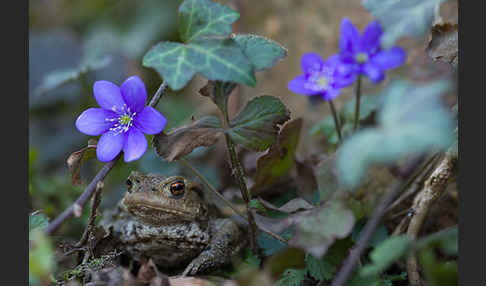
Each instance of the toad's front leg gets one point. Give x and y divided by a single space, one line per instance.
227 240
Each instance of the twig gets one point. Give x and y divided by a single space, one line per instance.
350 262
434 187
88 192
81 201
95 202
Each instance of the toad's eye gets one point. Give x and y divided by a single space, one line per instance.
177 188
129 184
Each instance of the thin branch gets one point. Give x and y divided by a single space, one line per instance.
81 201
350 262
434 187
88 192
95 202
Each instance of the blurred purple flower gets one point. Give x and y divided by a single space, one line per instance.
122 119
364 52
324 78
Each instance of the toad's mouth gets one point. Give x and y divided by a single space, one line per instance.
148 208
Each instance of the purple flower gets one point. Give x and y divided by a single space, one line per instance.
122 119
364 52
325 78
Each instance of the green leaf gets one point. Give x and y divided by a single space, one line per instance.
319 269
59 78
256 126
402 18
271 245
41 257
438 273
203 18
37 221
262 52
292 277
412 120
279 160
215 59
318 229
385 254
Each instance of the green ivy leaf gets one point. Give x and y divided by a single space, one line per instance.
292 277
412 120
385 254
203 18
262 52
256 126
402 18
437 272
215 59
319 269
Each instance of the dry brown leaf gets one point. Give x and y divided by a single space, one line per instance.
444 44
76 160
181 141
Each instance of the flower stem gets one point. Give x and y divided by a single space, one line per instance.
358 96
336 120
239 175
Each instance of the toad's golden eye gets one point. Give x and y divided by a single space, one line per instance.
177 188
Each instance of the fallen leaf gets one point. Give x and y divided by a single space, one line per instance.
444 44
76 160
292 206
181 141
280 158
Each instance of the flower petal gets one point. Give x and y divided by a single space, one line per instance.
109 145
311 62
370 40
297 85
107 94
344 72
349 37
150 121
331 93
135 145
391 58
93 121
374 72
134 93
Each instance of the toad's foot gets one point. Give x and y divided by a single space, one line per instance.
227 241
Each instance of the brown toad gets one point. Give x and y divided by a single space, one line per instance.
168 219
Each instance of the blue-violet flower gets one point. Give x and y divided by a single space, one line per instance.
122 119
325 78
364 53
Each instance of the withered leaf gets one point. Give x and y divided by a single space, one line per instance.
181 141
76 160
444 44
280 158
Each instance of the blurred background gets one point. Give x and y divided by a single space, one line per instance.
74 43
